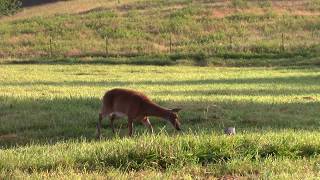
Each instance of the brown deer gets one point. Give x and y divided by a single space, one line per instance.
136 106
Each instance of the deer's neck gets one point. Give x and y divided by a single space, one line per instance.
158 111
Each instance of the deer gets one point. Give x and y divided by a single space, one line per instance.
136 106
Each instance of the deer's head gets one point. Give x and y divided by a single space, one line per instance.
174 118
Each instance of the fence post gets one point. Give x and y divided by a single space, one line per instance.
230 42
170 43
107 46
50 47
282 42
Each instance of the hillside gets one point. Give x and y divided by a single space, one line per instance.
59 58
209 31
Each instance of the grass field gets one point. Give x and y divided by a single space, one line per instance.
48 116
253 65
186 29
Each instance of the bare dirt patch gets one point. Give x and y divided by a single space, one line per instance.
8 136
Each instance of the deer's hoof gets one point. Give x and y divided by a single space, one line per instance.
98 137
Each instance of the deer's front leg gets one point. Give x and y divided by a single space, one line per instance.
130 125
99 126
147 123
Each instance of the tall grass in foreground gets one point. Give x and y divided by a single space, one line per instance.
162 152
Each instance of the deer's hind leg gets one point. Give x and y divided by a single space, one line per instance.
102 115
112 117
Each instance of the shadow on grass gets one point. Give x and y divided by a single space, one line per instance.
291 80
30 3
24 121
128 59
175 59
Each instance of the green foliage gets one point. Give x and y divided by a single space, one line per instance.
9 7
265 4
251 17
314 5
240 3
201 59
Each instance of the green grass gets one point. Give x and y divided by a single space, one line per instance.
219 154
55 67
226 30
9 7
49 112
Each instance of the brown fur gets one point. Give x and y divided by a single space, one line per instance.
136 106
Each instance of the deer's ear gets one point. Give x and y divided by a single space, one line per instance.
176 110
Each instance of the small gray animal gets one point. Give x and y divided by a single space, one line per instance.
230 130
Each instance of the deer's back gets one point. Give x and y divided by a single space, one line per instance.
125 101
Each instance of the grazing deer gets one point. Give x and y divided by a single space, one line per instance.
136 106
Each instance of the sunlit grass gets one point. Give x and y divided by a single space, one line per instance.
49 112
256 84
285 154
